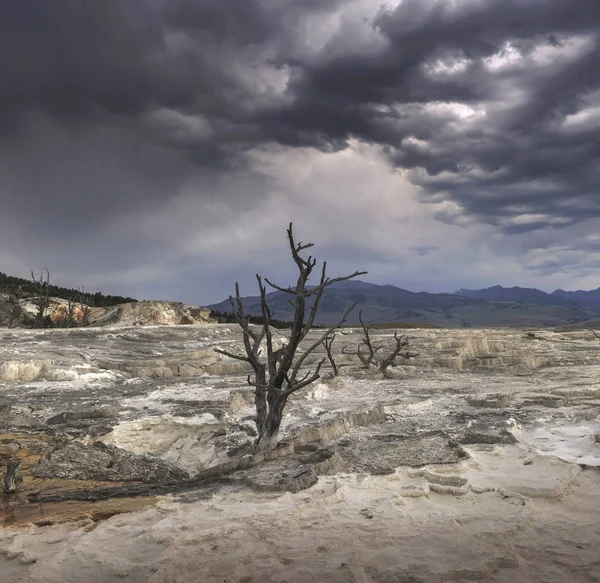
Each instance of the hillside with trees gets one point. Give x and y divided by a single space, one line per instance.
9 283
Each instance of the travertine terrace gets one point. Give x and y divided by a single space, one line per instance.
475 461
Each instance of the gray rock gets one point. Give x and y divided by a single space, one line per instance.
67 416
503 436
75 461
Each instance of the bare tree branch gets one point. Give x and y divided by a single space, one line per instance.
317 343
287 290
306 380
329 282
232 355
41 285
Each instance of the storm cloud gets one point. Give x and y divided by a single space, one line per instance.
140 139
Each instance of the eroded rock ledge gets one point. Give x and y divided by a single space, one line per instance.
99 414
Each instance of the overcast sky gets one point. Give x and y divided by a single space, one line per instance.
159 148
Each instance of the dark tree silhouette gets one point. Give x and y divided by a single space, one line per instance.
277 376
41 296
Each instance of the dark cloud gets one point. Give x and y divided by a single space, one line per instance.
115 109
70 59
117 63
485 163
131 97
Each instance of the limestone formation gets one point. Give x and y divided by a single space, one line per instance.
147 313
103 420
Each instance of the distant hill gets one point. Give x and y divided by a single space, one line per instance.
387 303
579 295
584 299
527 295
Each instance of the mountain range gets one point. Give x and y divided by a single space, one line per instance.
465 308
528 294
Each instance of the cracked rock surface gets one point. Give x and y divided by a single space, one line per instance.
478 460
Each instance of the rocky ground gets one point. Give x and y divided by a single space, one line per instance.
477 460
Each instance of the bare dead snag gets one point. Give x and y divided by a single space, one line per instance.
367 358
370 357
77 310
402 343
252 342
64 317
278 375
327 342
84 306
41 286
596 334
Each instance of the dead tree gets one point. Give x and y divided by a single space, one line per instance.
402 343
76 312
41 285
370 357
84 306
278 375
596 334
327 342
70 317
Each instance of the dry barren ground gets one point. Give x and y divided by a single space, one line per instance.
477 461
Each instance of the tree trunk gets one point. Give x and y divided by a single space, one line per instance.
275 380
267 438
260 402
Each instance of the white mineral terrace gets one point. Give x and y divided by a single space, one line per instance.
479 460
